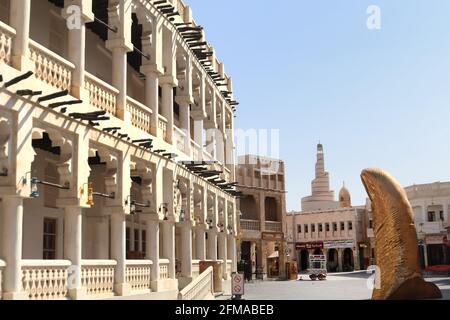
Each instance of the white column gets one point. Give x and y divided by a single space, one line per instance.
446 211
186 250
222 252
232 253
152 232
12 247
139 234
72 249
118 253
167 108
152 99
20 21
185 118
169 246
119 79
212 245
132 238
425 253
200 243
198 136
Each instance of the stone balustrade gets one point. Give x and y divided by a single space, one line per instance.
274 226
102 96
141 116
50 67
200 288
6 36
253 225
45 279
164 268
97 277
162 127
180 139
138 274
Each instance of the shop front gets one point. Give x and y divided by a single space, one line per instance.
304 249
341 255
436 250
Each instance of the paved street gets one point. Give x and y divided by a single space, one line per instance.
344 286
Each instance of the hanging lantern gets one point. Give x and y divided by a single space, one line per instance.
90 195
34 192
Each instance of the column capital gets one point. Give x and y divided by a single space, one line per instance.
152 68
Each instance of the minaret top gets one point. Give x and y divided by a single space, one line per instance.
319 148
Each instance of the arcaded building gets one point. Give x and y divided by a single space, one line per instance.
262 206
116 150
327 226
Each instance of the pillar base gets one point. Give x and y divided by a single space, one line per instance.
122 289
184 281
164 285
15 296
77 293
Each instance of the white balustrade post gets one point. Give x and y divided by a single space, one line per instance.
20 21
186 250
200 243
72 249
212 245
222 252
169 246
232 253
12 208
118 253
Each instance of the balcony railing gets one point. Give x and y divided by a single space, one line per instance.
45 279
138 274
51 68
6 36
97 277
162 127
141 116
431 227
101 95
164 268
252 225
200 288
2 266
274 226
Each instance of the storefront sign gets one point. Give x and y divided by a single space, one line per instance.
336 244
436 239
271 236
309 245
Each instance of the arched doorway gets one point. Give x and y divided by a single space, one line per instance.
332 260
304 257
348 263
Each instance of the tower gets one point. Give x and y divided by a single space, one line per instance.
344 197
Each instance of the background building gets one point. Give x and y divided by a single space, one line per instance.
262 214
326 226
96 150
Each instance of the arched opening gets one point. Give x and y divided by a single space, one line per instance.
332 260
348 263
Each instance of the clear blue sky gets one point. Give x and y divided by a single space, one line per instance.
313 70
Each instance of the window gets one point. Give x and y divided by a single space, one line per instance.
350 225
441 215
305 227
127 239
313 228
320 227
431 216
327 227
342 225
334 226
370 224
144 241
49 252
136 239
299 228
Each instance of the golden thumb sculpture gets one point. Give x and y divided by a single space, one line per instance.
396 245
